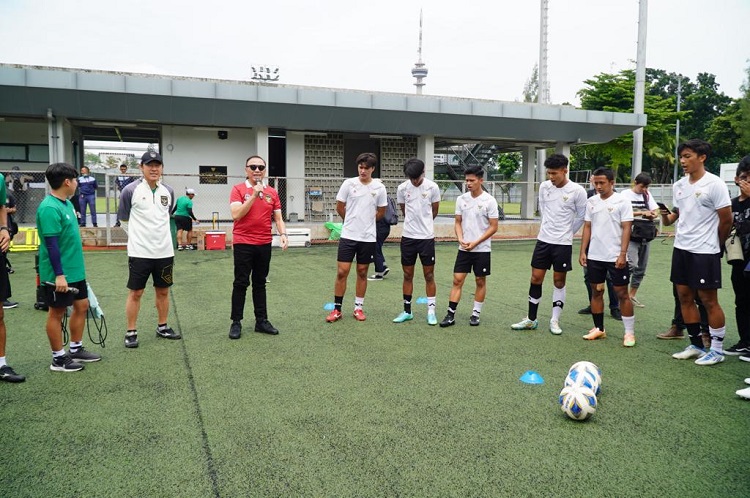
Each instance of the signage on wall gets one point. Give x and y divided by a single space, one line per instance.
212 175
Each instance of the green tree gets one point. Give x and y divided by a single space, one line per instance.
91 159
616 92
743 123
531 87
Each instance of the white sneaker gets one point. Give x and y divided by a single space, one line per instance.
688 353
747 381
554 327
636 302
745 357
710 358
525 324
744 393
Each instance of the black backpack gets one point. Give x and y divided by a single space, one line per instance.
391 214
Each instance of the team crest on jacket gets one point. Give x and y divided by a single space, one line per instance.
165 200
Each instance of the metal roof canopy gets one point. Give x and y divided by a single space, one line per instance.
147 100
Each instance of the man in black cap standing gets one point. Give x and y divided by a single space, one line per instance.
145 207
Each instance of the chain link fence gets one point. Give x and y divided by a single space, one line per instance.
307 203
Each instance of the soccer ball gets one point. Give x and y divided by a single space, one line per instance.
588 366
584 371
583 378
578 402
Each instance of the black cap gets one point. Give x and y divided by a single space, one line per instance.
150 157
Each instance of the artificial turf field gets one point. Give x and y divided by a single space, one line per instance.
365 409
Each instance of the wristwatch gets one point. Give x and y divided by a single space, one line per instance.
5 228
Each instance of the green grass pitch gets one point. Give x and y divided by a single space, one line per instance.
365 409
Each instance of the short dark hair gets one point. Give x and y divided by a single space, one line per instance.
474 170
254 157
643 179
604 172
57 173
700 147
743 166
413 168
87 168
370 159
123 164
556 161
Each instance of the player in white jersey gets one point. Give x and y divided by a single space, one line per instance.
476 223
419 199
604 248
703 212
361 201
561 204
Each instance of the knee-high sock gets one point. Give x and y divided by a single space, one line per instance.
558 302
535 295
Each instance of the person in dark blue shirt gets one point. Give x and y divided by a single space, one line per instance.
87 194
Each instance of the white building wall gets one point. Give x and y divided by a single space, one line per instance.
184 149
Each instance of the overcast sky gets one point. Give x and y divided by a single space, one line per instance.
475 49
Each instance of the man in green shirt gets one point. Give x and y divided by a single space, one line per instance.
57 224
183 220
6 372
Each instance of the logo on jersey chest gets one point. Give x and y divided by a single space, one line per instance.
164 200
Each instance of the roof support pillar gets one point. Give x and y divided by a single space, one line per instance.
295 171
528 197
259 142
426 152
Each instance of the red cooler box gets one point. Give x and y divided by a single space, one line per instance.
216 241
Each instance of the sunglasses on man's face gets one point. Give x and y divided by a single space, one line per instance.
253 167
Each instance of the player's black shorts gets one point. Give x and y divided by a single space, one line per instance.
411 248
479 262
364 251
183 223
697 271
597 272
142 268
556 256
65 299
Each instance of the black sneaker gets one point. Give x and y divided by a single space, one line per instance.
385 272
65 363
265 327
738 349
235 330
448 320
616 314
131 340
9 305
585 311
474 320
8 375
84 356
168 333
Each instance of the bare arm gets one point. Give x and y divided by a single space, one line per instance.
341 209
380 213
725 223
281 228
435 209
585 239
622 259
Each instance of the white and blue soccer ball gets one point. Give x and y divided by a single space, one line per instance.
578 402
585 373
583 377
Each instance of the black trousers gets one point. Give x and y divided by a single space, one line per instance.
250 262
741 285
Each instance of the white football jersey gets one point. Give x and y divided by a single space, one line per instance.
362 202
697 229
606 217
476 213
418 201
562 211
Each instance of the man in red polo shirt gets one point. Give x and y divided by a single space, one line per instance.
252 204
